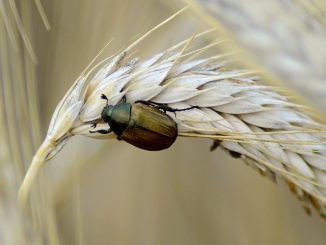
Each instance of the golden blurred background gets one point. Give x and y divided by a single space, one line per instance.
109 192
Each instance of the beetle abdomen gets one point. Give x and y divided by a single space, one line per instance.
149 128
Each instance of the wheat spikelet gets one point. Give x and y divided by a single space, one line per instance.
247 119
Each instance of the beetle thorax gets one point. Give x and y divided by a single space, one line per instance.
107 112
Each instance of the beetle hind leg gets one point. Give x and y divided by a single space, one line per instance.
164 107
185 109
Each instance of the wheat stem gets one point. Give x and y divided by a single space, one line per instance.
38 161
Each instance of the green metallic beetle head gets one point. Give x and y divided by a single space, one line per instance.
107 112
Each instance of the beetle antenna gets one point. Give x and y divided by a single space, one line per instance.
103 96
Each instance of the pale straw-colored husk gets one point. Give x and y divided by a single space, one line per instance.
249 120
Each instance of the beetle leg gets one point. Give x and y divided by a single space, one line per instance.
94 125
103 96
102 131
164 107
143 102
185 109
216 143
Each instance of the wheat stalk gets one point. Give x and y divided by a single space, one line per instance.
249 120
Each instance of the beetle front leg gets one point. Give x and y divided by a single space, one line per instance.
102 131
103 97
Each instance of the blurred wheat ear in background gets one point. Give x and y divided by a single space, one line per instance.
109 192
20 126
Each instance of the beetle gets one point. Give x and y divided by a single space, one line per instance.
143 124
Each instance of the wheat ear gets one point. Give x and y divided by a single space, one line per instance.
249 120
